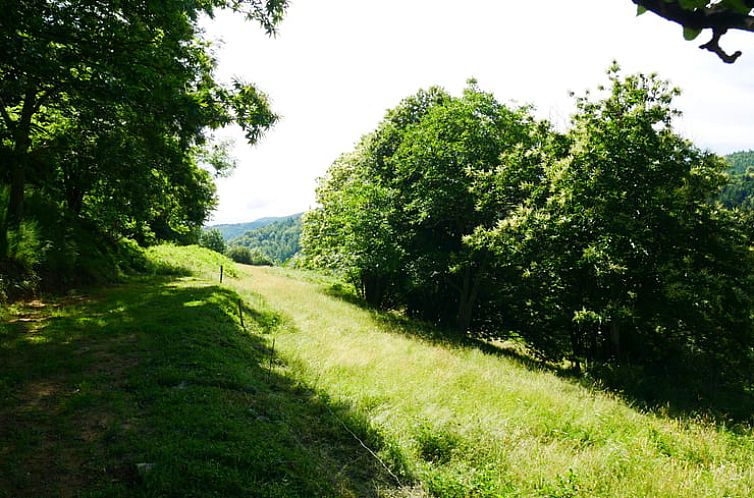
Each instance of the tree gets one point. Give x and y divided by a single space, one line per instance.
212 239
107 100
738 192
697 15
394 213
625 256
435 166
351 234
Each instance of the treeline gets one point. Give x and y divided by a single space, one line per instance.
106 110
601 243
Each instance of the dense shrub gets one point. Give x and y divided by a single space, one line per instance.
246 256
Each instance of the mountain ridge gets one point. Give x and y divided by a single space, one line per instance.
231 231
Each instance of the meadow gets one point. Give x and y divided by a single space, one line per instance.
277 383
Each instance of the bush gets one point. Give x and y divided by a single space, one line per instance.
246 256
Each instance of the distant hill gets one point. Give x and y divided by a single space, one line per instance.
739 192
278 240
231 231
740 162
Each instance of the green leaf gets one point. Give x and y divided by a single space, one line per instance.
640 9
690 33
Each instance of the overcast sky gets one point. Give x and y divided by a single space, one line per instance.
336 66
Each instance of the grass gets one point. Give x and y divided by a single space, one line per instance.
460 421
154 388
169 259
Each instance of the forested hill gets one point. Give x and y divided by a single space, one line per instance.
231 231
740 189
740 161
278 240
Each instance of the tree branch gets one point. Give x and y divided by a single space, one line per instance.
715 17
714 46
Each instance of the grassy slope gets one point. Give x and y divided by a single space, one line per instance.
160 372
467 423
153 388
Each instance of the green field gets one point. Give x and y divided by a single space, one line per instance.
154 388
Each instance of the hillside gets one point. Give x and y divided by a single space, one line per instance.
739 192
741 161
279 240
277 384
231 231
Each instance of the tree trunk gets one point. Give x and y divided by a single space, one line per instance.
22 138
15 211
468 296
615 339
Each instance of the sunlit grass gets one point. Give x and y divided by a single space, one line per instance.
470 423
169 259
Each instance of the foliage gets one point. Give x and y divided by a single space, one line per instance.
739 190
740 162
602 244
106 111
212 239
246 256
277 241
624 257
395 211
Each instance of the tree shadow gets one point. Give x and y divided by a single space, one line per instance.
153 389
342 292
673 392
677 392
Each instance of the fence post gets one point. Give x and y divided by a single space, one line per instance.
221 273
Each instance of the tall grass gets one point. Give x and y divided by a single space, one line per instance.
466 422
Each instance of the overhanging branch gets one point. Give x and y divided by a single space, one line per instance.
718 18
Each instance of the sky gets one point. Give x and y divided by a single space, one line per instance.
336 66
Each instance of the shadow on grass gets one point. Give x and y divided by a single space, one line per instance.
153 389
678 393
344 293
